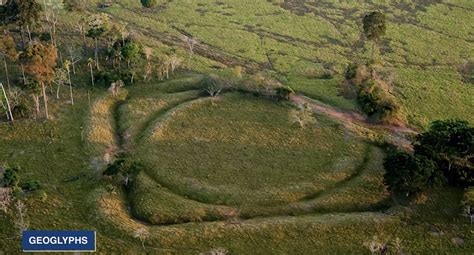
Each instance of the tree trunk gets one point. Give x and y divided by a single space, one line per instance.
72 62
45 100
36 101
6 71
8 103
92 76
96 53
70 87
29 33
22 37
84 41
57 91
23 73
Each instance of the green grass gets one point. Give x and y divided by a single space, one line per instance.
244 149
320 192
426 38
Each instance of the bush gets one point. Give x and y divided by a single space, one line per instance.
408 174
372 93
450 144
124 169
21 110
327 75
284 93
10 177
105 78
31 185
375 102
149 3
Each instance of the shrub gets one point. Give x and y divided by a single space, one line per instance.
149 3
371 92
105 78
31 185
408 174
10 177
327 75
450 144
284 93
21 110
468 203
375 102
125 169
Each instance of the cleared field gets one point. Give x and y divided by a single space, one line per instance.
300 40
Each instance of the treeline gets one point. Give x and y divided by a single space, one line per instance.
31 45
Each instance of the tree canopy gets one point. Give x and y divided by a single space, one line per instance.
22 12
40 60
450 144
408 175
374 25
98 25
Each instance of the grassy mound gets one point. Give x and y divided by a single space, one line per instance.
101 134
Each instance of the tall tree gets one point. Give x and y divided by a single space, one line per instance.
39 61
374 27
90 64
25 13
8 50
67 66
450 144
98 26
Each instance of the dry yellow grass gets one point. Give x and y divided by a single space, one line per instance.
100 136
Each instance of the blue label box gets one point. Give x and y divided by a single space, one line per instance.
58 241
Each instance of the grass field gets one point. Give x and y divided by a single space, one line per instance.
299 40
235 173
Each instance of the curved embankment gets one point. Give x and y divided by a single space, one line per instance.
190 210
102 140
112 214
103 122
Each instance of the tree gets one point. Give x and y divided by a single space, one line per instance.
374 27
131 51
67 66
450 144
149 3
8 50
21 219
408 174
303 115
6 105
40 61
23 13
51 13
60 78
125 169
90 64
98 26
